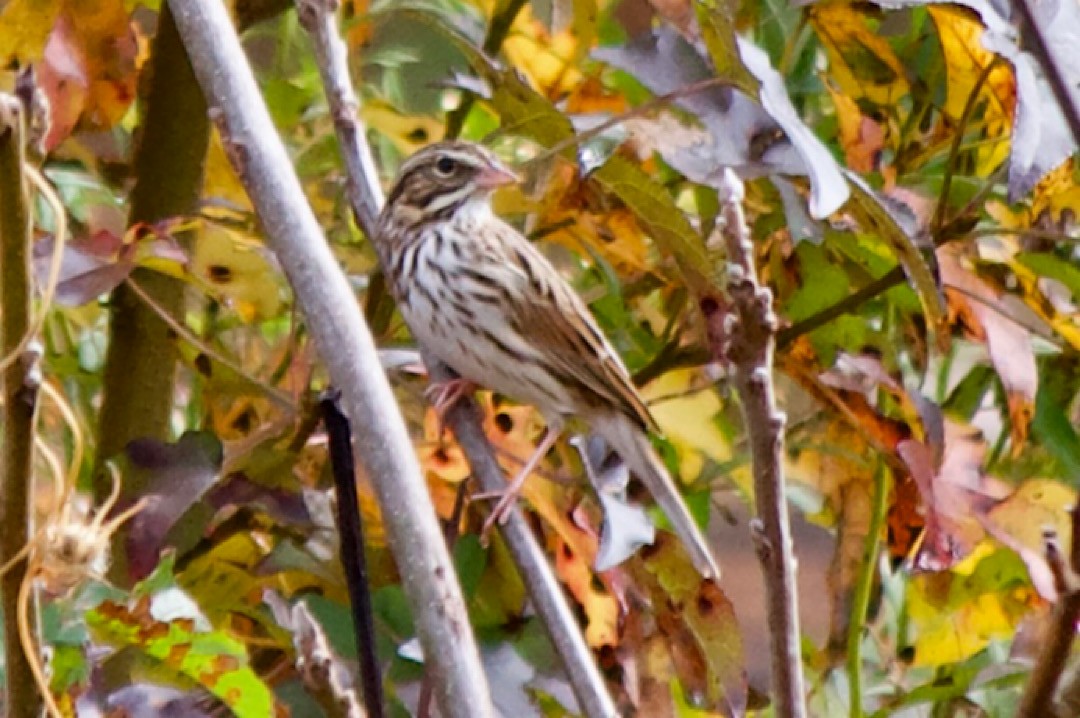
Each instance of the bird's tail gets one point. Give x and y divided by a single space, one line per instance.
632 443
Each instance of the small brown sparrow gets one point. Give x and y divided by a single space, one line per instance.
488 304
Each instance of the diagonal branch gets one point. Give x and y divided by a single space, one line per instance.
345 345
365 196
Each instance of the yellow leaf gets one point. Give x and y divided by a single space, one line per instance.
954 616
861 61
236 270
24 27
687 419
407 133
966 60
1037 505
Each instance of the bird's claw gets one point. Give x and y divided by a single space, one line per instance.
442 395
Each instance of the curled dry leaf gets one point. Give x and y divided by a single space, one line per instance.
1009 342
954 492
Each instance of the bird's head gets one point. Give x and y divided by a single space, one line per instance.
444 177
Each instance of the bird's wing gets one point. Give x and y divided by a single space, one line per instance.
555 319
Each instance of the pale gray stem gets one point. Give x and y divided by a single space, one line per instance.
743 335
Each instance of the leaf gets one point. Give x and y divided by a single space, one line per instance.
1057 435
238 270
875 216
25 25
326 676
1021 522
717 23
1041 139
954 616
175 476
1049 265
966 60
708 616
752 139
861 61
954 491
1009 341
89 70
215 660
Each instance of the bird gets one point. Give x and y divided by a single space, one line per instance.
486 302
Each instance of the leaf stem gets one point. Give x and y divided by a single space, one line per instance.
860 602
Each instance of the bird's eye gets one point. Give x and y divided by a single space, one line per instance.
445 166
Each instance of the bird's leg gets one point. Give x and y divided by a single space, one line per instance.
500 513
444 394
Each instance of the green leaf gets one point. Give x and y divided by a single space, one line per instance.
1048 265
718 31
873 215
215 660
1054 431
470 561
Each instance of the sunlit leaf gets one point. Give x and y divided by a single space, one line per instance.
214 660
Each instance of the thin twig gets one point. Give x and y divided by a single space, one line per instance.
860 600
1038 698
644 108
52 276
742 330
345 345
366 198
276 395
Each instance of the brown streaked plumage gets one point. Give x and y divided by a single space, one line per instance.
488 304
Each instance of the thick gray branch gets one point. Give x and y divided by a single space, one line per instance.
346 346
366 198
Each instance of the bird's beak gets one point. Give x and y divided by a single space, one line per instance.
494 176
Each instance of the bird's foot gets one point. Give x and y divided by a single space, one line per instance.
507 498
444 394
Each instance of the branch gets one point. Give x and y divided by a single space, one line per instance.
1038 698
138 380
741 329
1052 63
19 396
351 530
366 198
346 347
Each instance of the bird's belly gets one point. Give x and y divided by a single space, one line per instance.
477 341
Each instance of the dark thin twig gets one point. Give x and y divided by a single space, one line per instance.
351 531
849 303
954 151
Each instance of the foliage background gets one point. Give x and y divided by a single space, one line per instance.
957 396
